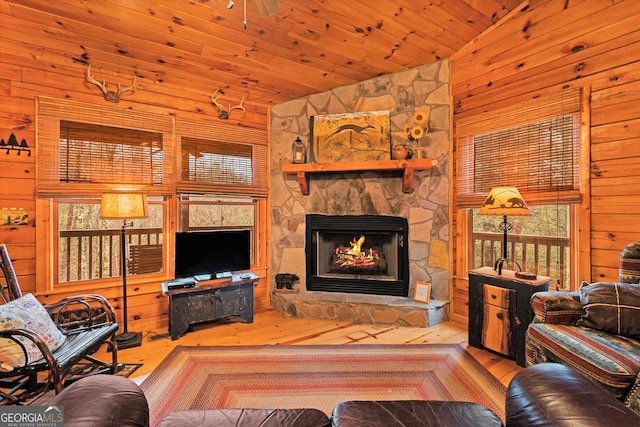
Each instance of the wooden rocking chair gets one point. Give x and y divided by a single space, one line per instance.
87 322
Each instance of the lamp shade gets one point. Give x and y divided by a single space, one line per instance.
504 201
123 206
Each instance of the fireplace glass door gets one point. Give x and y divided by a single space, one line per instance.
364 256
357 254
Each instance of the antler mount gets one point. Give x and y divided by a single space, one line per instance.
110 95
222 112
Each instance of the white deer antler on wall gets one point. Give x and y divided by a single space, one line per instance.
222 113
110 95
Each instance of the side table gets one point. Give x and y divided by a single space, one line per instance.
500 310
209 301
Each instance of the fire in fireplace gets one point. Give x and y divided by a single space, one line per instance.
357 258
357 254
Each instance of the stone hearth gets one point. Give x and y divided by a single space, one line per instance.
358 308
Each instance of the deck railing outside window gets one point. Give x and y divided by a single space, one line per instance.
95 254
543 255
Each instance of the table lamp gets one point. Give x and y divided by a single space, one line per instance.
504 201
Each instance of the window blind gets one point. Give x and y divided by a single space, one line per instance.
533 146
81 151
216 159
105 154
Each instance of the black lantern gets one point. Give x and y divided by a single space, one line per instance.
298 151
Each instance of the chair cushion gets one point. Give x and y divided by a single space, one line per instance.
611 307
611 361
27 313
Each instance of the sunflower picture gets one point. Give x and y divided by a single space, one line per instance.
419 127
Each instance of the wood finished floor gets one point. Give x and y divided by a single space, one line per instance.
270 327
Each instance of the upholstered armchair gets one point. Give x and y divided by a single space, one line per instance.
595 330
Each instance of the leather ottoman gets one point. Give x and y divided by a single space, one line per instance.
246 418
412 413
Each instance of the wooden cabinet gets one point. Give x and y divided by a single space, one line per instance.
498 319
207 302
500 310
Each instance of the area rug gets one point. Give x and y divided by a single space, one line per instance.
298 376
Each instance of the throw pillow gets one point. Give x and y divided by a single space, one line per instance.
26 313
611 307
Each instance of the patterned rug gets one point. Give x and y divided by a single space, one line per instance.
297 376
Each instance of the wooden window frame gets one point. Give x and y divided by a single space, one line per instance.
49 112
580 224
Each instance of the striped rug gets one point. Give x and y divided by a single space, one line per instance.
296 376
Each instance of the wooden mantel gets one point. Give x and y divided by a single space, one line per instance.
302 170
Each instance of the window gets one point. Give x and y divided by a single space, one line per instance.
84 151
223 181
539 243
534 146
211 212
218 177
88 247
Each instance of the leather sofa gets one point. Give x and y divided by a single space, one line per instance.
547 394
393 413
113 401
100 401
552 394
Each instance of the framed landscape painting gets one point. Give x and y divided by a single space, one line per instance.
351 137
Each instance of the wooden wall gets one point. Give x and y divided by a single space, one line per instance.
546 46
35 62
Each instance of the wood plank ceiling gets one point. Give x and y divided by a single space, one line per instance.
307 46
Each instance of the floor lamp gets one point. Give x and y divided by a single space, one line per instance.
125 206
504 201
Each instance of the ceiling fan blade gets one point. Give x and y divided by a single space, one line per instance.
265 7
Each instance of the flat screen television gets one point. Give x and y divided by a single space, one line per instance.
206 254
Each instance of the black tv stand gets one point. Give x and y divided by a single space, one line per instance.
210 300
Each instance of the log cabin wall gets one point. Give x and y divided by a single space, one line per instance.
554 45
35 62
541 47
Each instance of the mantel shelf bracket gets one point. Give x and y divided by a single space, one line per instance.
408 167
303 181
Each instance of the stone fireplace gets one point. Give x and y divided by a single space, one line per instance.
425 207
363 254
